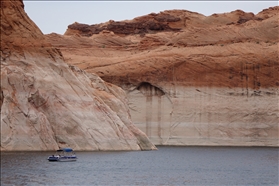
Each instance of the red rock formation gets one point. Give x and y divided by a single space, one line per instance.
202 80
47 104
145 24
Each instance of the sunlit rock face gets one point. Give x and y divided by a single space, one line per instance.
200 80
47 104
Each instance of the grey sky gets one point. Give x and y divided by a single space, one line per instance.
55 16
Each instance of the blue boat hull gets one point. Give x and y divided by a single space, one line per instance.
62 158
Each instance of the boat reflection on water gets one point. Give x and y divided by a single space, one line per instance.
63 154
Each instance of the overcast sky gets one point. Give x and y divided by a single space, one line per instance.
55 16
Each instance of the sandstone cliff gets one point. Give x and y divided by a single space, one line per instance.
46 103
191 79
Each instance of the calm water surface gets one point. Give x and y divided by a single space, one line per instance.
167 166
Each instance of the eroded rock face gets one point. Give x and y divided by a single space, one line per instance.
215 82
47 104
143 25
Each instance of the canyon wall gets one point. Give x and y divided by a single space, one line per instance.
47 104
191 79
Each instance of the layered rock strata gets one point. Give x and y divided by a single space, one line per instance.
47 104
200 80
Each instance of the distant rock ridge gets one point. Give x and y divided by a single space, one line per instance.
47 104
152 22
169 20
204 80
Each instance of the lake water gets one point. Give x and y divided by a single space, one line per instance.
166 166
